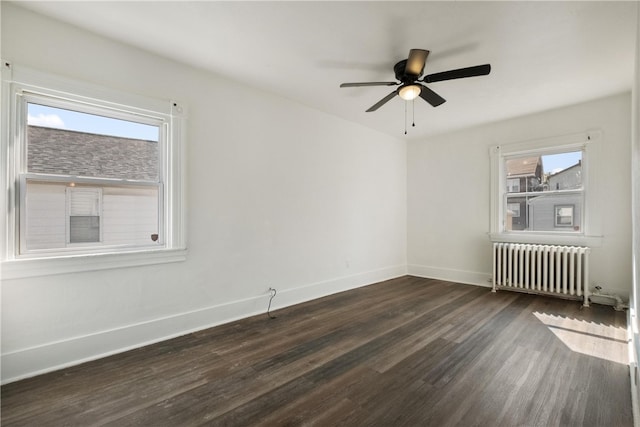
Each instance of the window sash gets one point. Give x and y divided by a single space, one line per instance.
544 193
87 247
25 97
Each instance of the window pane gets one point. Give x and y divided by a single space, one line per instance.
45 215
524 174
536 185
122 216
563 171
65 142
544 172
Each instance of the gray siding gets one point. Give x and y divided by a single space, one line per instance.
542 211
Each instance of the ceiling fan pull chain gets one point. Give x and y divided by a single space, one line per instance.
405 117
413 112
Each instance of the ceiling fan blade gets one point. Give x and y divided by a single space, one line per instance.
369 84
415 62
460 73
382 101
431 97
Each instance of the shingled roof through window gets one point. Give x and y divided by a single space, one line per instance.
66 152
524 166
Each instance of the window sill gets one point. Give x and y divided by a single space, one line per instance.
569 239
22 268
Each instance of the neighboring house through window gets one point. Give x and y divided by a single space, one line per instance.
523 176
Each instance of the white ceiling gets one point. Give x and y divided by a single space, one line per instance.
543 54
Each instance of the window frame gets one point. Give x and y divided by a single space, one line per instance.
590 233
18 82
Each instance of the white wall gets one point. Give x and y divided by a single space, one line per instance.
633 326
449 190
278 195
635 177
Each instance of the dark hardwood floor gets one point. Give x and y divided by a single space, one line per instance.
406 352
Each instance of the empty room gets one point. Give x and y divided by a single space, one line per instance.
319 213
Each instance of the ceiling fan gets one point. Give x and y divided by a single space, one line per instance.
408 72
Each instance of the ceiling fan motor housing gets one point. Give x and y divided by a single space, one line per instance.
399 70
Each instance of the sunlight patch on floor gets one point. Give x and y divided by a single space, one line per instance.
600 340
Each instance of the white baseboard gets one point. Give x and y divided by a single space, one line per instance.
450 275
633 366
320 289
28 362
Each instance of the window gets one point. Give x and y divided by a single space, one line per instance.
83 215
550 179
94 171
513 209
564 216
513 185
541 190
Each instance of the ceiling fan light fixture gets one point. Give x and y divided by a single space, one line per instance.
409 92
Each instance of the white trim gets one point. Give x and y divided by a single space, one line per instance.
450 275
550 145
541 238
328 287
48 84
27 362
35 267
632 339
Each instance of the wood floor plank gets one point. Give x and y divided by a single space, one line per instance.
403 352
